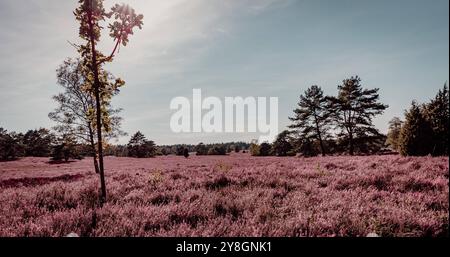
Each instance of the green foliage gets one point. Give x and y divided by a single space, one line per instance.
366 143
65 149
76 112
308 148
353 111
217 150
254 149
312 117
265 149
282 145
126 19
116 150
416 133
437 113
89 14
180 150
11 146
393 136
201 149
425 130
140 147
38 143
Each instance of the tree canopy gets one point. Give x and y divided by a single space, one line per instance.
140 147
416 133
312 117
353 111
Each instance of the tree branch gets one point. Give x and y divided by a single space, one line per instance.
112 53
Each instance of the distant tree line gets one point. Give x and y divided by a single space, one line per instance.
140 147
44 143
220 149
321 125
38 143
343 124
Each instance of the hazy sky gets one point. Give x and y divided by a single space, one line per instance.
229 48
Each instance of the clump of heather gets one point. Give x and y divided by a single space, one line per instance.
236 195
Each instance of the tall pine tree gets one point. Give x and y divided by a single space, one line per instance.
312 118
437 113
353 111
416 133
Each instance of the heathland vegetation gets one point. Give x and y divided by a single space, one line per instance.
228 196
221 189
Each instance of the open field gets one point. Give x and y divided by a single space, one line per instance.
235 195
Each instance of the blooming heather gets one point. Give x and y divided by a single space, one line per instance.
236 195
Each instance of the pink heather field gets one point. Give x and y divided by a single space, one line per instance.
236 195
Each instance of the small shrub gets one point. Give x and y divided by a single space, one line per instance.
218 183
161 199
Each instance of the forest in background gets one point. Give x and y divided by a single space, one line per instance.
422 131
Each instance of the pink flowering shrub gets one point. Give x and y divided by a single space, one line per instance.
235 195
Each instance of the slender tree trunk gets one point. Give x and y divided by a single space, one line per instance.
349 127
351 145
94 150
98 109
322 147
319 135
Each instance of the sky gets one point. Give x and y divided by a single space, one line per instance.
271 48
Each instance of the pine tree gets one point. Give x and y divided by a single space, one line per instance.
38 143
11 146
312 118
353 110
140 147
437 113
416 133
